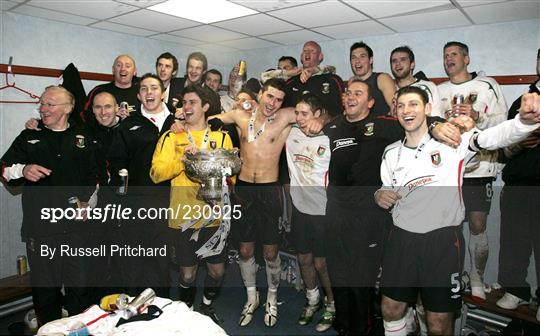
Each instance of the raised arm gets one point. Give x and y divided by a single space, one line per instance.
314 126
388 87
511 131
449 132
282 74
227 118
32 124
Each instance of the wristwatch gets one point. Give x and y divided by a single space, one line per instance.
432 126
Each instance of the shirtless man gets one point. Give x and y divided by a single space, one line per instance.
263 133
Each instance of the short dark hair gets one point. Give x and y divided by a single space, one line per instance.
168 55
290 59
199 56
250 93
361 44
215 72
405 49
369 90
151 75
462 46
207 96
253 85
413 89
313 101
276 83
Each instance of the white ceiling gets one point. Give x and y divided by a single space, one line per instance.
279 22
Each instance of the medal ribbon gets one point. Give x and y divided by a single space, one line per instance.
205 138
251 127
416 154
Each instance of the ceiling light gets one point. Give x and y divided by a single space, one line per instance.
205 11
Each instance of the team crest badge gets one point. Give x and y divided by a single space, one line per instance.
213 144
435 158
321 150
326 88
369 129
80 141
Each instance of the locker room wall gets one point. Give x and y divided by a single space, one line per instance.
498 49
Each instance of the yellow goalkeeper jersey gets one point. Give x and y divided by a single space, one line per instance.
167 164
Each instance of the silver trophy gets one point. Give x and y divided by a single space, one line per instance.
208 168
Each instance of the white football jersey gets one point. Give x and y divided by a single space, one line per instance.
308 158
429 177
433 94
487 98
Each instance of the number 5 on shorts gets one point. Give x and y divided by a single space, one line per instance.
456 282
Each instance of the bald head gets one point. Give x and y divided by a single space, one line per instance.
105 108
313 44
106 95
311 54
124 69
124 58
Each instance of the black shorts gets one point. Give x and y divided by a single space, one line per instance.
284 177
354 241
308 232
183 248
430 263
477 193
261 205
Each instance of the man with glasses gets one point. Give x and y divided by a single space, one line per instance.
59 154
105 112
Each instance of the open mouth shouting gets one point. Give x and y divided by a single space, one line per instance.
151 103
351 104
268 110
45 116
408 120
449 65
358 69
188 114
